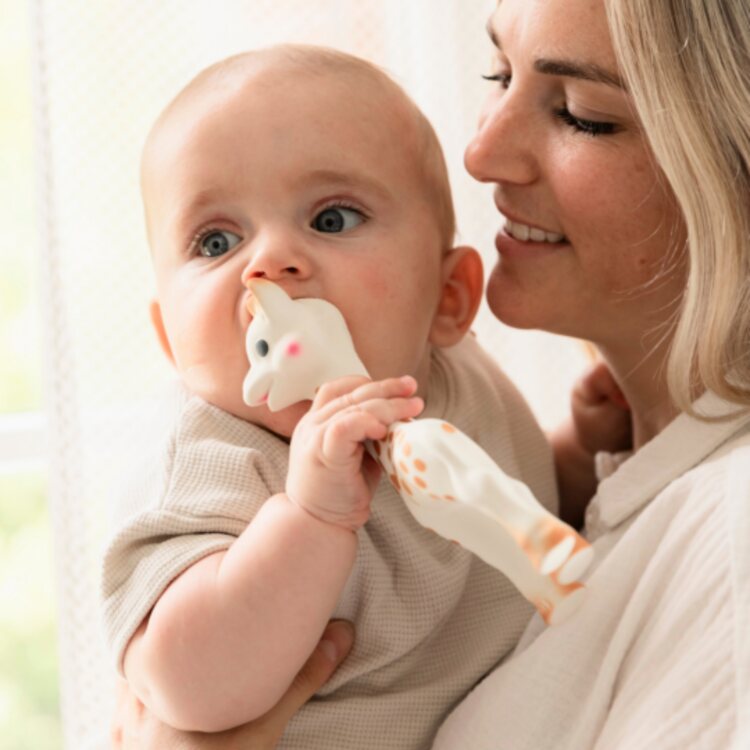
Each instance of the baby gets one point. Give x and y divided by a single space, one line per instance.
314 170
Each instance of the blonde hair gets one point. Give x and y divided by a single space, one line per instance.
687 66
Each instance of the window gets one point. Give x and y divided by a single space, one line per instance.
29 705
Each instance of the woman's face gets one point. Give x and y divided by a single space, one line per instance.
587 246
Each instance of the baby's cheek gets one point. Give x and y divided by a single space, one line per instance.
375 286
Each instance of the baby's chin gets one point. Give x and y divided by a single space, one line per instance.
281 423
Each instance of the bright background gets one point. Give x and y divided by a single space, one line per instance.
29 713
80 83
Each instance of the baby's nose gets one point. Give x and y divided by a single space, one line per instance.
253 271
276 256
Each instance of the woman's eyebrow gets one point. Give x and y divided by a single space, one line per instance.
584 70
572 69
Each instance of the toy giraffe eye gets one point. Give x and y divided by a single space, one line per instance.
261 346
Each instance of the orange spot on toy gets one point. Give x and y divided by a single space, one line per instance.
420 482
420 465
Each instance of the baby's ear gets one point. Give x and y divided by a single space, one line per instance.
460 296
154 311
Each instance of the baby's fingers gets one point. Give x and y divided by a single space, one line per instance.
366 421
336 389
391 388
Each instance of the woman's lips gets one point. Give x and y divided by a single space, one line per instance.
509 246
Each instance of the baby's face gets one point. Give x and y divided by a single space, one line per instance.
307 181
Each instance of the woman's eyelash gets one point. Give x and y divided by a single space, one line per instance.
589 127
502 78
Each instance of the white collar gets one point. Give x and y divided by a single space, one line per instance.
680 446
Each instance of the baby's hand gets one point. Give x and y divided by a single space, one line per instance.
330 474
600 413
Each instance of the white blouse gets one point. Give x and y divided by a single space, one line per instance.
659 654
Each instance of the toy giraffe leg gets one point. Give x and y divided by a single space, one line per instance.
453 487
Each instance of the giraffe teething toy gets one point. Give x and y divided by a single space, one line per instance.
447 481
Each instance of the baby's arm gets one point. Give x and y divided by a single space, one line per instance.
226 638
599 421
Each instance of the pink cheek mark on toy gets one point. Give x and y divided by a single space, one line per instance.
262 400
293 349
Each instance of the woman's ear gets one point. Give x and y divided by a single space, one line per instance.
460 296
157 322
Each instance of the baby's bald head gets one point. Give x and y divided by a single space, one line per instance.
249 73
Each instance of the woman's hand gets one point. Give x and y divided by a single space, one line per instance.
599 421
136 728
601 415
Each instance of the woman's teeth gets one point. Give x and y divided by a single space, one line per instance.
524 233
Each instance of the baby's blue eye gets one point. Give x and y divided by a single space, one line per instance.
217 243
337 219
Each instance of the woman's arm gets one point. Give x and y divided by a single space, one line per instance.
136 728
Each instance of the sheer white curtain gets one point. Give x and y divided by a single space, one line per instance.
103 71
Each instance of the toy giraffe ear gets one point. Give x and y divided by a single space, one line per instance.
460 297
157 322
268 299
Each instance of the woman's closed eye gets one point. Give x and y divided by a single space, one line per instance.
579 124
212 243
588 127
502 78
335 219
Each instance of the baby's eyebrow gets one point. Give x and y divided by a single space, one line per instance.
200 200
184 213
347 178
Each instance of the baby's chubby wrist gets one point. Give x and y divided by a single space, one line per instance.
313 521
330 516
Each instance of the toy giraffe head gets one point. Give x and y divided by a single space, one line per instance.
294 346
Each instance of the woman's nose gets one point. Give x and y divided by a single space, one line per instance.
276 257
502 149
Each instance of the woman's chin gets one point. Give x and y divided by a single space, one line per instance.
509 304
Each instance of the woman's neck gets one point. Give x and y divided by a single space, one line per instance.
642 378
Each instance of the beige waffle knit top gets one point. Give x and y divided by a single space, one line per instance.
431 619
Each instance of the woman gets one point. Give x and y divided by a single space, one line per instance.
624 125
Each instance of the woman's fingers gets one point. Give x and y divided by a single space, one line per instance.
135 728
332 649
598 384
